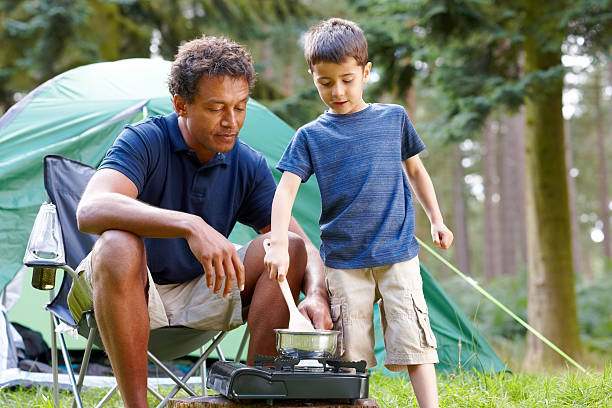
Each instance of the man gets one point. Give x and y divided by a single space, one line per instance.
164 200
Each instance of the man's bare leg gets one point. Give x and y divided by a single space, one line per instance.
267 307
120 305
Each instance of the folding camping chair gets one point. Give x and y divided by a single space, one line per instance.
65 180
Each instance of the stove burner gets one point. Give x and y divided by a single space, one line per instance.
290 378
324 364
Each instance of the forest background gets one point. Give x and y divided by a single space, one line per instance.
512 99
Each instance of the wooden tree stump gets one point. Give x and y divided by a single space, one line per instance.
219 401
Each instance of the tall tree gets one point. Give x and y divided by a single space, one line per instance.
604 197
551 295
579 266
460 228
492 247
515 128
509 203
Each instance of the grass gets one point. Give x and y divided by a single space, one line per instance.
504 390
567 389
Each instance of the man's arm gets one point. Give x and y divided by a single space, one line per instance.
423 188
109 202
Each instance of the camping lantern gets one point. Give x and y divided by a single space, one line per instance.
45 250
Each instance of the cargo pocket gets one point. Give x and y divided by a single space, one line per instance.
336 309
80 297
427 337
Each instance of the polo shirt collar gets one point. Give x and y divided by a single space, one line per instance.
176 138
178 144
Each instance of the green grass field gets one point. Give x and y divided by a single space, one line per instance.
567 389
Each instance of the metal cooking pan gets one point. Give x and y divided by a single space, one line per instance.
305 345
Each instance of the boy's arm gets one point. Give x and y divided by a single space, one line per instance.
423 188
315 305
277 258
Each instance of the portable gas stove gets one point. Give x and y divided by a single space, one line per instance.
290 378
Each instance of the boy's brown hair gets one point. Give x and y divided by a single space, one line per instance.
334 40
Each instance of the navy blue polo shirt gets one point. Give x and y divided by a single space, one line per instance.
233 186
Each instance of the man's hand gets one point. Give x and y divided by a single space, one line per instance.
441 235
316 309
218 256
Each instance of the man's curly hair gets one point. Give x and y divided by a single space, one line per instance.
212 56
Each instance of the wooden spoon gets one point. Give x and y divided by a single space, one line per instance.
297 321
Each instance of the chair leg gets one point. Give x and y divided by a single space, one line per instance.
155 393
203 373
193 369
77 396
220 354
108 396
85 362
54 362
243 343
170 374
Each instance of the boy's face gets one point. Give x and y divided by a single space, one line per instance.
340 85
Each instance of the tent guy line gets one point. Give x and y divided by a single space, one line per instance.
497 303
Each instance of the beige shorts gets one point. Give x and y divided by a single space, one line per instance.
405 321
191 304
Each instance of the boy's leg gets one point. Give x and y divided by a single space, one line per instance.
423 379
352 294
409 341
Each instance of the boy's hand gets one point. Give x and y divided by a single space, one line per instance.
442 236
276 260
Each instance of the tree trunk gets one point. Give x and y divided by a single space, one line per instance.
603 177
516 127
492 264
422 227
266 57
288 77
551 303
509 204
579 266
462 247
411 101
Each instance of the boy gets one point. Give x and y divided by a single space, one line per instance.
357 151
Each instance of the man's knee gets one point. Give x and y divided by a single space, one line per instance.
297 251
118 256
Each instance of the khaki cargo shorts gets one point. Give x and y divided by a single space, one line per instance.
191 304
404 316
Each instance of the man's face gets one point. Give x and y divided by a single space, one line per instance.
210 124
340 86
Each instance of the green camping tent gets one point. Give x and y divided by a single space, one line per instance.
79 113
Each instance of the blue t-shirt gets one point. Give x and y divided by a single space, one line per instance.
367 218
233 186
